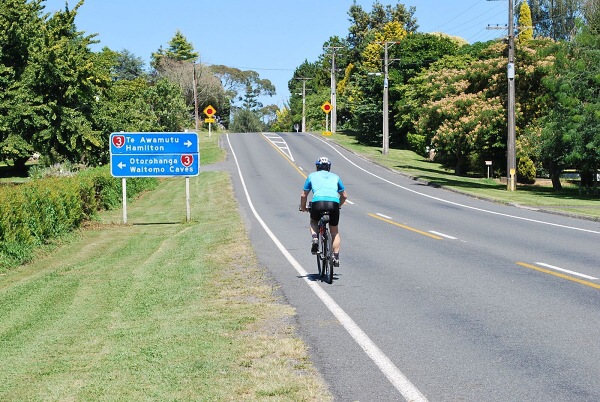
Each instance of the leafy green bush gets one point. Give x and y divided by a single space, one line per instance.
526 170
33 213
416 142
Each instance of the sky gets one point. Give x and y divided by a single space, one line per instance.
270 37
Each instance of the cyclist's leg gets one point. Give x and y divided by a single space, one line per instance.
315 215
335 236
314 227
334 215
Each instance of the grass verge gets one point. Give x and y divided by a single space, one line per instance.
155 310
569 201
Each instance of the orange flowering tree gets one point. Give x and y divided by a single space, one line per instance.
468 130
458 105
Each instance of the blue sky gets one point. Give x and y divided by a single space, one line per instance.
270 37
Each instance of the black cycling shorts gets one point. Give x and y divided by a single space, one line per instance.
321 206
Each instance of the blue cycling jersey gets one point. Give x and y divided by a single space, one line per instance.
326 186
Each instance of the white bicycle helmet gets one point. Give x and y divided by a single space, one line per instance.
323 163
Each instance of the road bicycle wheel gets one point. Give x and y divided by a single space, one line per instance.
327 258
324 262
320 254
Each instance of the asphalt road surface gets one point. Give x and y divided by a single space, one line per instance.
438 296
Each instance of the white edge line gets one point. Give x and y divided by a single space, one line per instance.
456 203
442 234
387 367
383 216
566 270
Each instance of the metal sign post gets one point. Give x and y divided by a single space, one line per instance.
124 194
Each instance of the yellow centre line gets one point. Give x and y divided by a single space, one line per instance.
406 227
567 277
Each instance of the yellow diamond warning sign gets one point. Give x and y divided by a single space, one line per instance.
326 107
209 111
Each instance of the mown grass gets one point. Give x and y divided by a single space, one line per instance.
570 200
158 309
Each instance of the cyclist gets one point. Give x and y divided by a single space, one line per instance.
329 194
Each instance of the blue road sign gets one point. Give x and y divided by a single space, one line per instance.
154 154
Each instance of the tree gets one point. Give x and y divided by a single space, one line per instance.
179 49
468 129
63 78
167 105
525 24
591 13
245 121
245 86
372 55
20 32
284 120
445 77
127 66
570 135
555 19
363 24
317 77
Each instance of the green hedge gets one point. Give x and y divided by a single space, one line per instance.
36 212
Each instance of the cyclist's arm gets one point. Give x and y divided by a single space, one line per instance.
303 198
343 197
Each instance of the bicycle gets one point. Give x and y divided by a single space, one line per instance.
325 251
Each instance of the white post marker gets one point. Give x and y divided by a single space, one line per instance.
488 164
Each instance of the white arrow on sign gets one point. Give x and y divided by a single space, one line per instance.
121 165
188 143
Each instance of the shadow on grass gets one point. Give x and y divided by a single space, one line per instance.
156 223
450 182
567 193
437 176
9 171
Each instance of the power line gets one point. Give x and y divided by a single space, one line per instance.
460 14
466 26
254 68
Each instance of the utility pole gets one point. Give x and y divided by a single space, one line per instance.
386 114
511 158
195 96
511 164
333 89
304 102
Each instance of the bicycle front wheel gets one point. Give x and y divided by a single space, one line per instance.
320 254
328 258
319 265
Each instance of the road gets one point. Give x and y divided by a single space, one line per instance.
438 296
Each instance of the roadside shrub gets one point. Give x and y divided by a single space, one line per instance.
526 171
13 218
46 210
108 189
416 142
33 213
